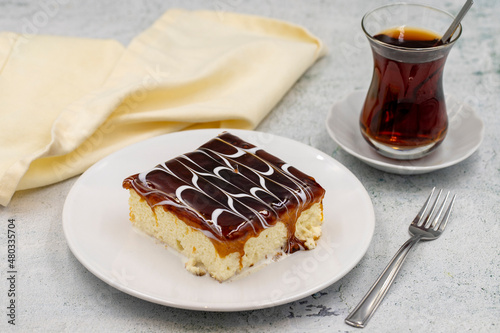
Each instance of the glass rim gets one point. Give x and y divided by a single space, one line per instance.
454 38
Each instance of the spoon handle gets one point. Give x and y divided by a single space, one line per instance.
454 25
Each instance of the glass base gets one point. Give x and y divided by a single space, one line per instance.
399 153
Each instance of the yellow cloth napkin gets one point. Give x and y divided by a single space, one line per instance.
67 102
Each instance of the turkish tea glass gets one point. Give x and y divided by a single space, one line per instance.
404 114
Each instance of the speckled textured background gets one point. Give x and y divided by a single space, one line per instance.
450 285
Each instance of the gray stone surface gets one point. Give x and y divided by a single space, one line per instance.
450 285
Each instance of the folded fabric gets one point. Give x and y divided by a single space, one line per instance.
66 102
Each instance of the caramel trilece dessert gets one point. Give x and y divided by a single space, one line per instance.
226 206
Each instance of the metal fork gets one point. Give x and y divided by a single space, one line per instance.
425 226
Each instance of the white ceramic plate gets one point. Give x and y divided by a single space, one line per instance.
98 231
465 134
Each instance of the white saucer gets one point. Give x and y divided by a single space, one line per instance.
465 133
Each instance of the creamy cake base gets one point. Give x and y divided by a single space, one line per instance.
199 249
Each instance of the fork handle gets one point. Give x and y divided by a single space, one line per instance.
365 309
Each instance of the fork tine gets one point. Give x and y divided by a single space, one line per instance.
418 219
426 223
433 223
444 221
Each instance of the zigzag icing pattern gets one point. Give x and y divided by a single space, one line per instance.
228 189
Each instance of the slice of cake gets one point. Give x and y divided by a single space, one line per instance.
226 206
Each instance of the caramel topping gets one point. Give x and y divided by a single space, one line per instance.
230 190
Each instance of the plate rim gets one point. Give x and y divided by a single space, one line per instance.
385 164
219 307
